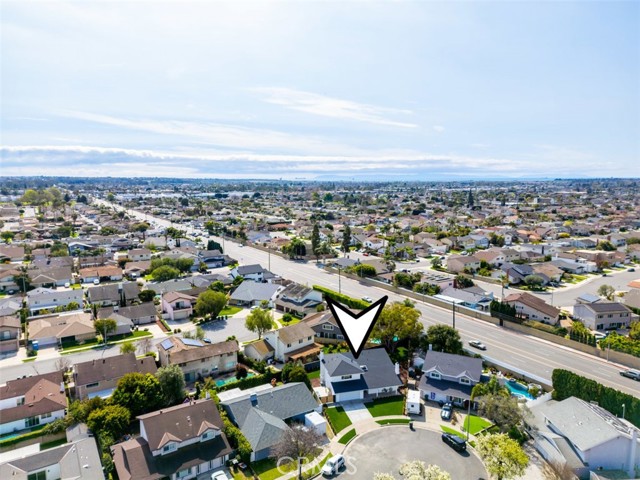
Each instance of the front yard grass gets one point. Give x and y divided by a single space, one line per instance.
386 406
314 374
474 424
229 310
394 421
338 418
347 436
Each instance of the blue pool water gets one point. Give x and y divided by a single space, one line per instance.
518 390
230 380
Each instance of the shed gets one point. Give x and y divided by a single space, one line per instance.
316 421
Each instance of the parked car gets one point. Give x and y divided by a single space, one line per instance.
220 475
333 466
367 299
631 373
454 442
96 282
447 410
631 270
478 344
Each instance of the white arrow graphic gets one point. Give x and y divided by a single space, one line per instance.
356 328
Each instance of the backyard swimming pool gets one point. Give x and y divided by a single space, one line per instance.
222 382
518 390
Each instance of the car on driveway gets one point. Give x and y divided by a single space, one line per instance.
478 344
454 442
367 299
447 410
630 373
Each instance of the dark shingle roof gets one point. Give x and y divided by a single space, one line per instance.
110 368
375 365
453 365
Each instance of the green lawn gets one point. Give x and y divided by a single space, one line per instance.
393 421
338 418
474 424
266 469
314 374
229 310
30 359
293 321
115 339
316 470
386 406
347 436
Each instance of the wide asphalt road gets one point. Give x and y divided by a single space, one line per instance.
509 348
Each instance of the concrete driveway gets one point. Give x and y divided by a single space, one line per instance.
356 411
387 448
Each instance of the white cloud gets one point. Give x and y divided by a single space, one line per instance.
322 105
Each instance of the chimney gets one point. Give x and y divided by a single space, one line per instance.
397 368
631 470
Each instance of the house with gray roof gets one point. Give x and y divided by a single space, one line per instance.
78 459
584 436
371 375
253 272
263 415
449 378
298 300
295 342
113 294
603 315
253 293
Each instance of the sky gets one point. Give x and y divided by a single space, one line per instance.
385 90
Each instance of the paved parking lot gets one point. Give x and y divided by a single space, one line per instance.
373 452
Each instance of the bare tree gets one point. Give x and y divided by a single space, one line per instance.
145 345
297 443
63 364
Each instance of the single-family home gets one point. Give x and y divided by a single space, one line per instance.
472 297
448 377
603 315
7 280
50 277
369 376
298 300
51 330
99 377
12 253
177 305
264 415
77 459
460 263
180 442
48 299
10 331
373 242
325 327
250 294
32 401
493 256
259 350
531 307
584 437
113 294
294 342
212 258
253 272
137 269
198 359
139 254
107 273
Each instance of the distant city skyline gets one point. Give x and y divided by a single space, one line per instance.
391 90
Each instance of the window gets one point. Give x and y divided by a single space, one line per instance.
308 338
301 340
45 415
91 385
41 475
203 360
345 377
31 422
207 435
20 401
6 334
288 345
600 316
169 447
465 381
340 337
184 473
435 375
327 327
610 316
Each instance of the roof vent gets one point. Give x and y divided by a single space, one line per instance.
364 368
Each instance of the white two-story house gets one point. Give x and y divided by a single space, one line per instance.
180 442
371 375
603 315
448 377
293 342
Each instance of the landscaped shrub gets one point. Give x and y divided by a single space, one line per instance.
344 299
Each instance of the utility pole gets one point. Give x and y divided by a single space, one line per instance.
454 314
339 281
468 418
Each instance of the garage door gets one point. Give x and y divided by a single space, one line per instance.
346 396
47 342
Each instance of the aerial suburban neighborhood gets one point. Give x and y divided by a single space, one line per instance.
185 333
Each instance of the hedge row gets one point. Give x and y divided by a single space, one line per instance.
21 438
567 384
251 382
339 297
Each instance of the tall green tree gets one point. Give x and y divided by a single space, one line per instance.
315 240
172 383
443 338
210 303
127 347
346 239
105 327
503 457
111 420
504 411
259 321
139 393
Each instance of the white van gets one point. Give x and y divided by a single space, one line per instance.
333 466
414 407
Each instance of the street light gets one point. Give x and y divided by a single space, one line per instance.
339 280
